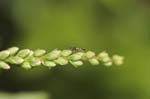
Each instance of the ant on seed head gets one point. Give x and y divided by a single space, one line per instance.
77 49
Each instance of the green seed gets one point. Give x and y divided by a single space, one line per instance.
26 65
118 60
4 54
108 63
13 50
49 64
53 55
94 61
76 63
23 53
61 61
76 56
35 61
89 54
4 65
103 54
39 52
15 60
66 53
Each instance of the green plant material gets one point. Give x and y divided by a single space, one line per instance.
4 54
4 65
28 59
25 95
39 52
13 50
117 59
76 63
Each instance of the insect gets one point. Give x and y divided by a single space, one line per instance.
77 49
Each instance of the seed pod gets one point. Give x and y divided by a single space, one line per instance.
89 54
104 57
49 64
53 55
4 54
61 61
76 56
66 53
4 65
15 60
26 65
76 63
103 54
118 60
94 61
39 52
108 63
13 50
35 61
23 53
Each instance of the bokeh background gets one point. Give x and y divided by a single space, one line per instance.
118 26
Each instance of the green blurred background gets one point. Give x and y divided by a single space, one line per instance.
118 26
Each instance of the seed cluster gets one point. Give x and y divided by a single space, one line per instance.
28 59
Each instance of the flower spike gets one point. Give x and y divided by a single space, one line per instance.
28 59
